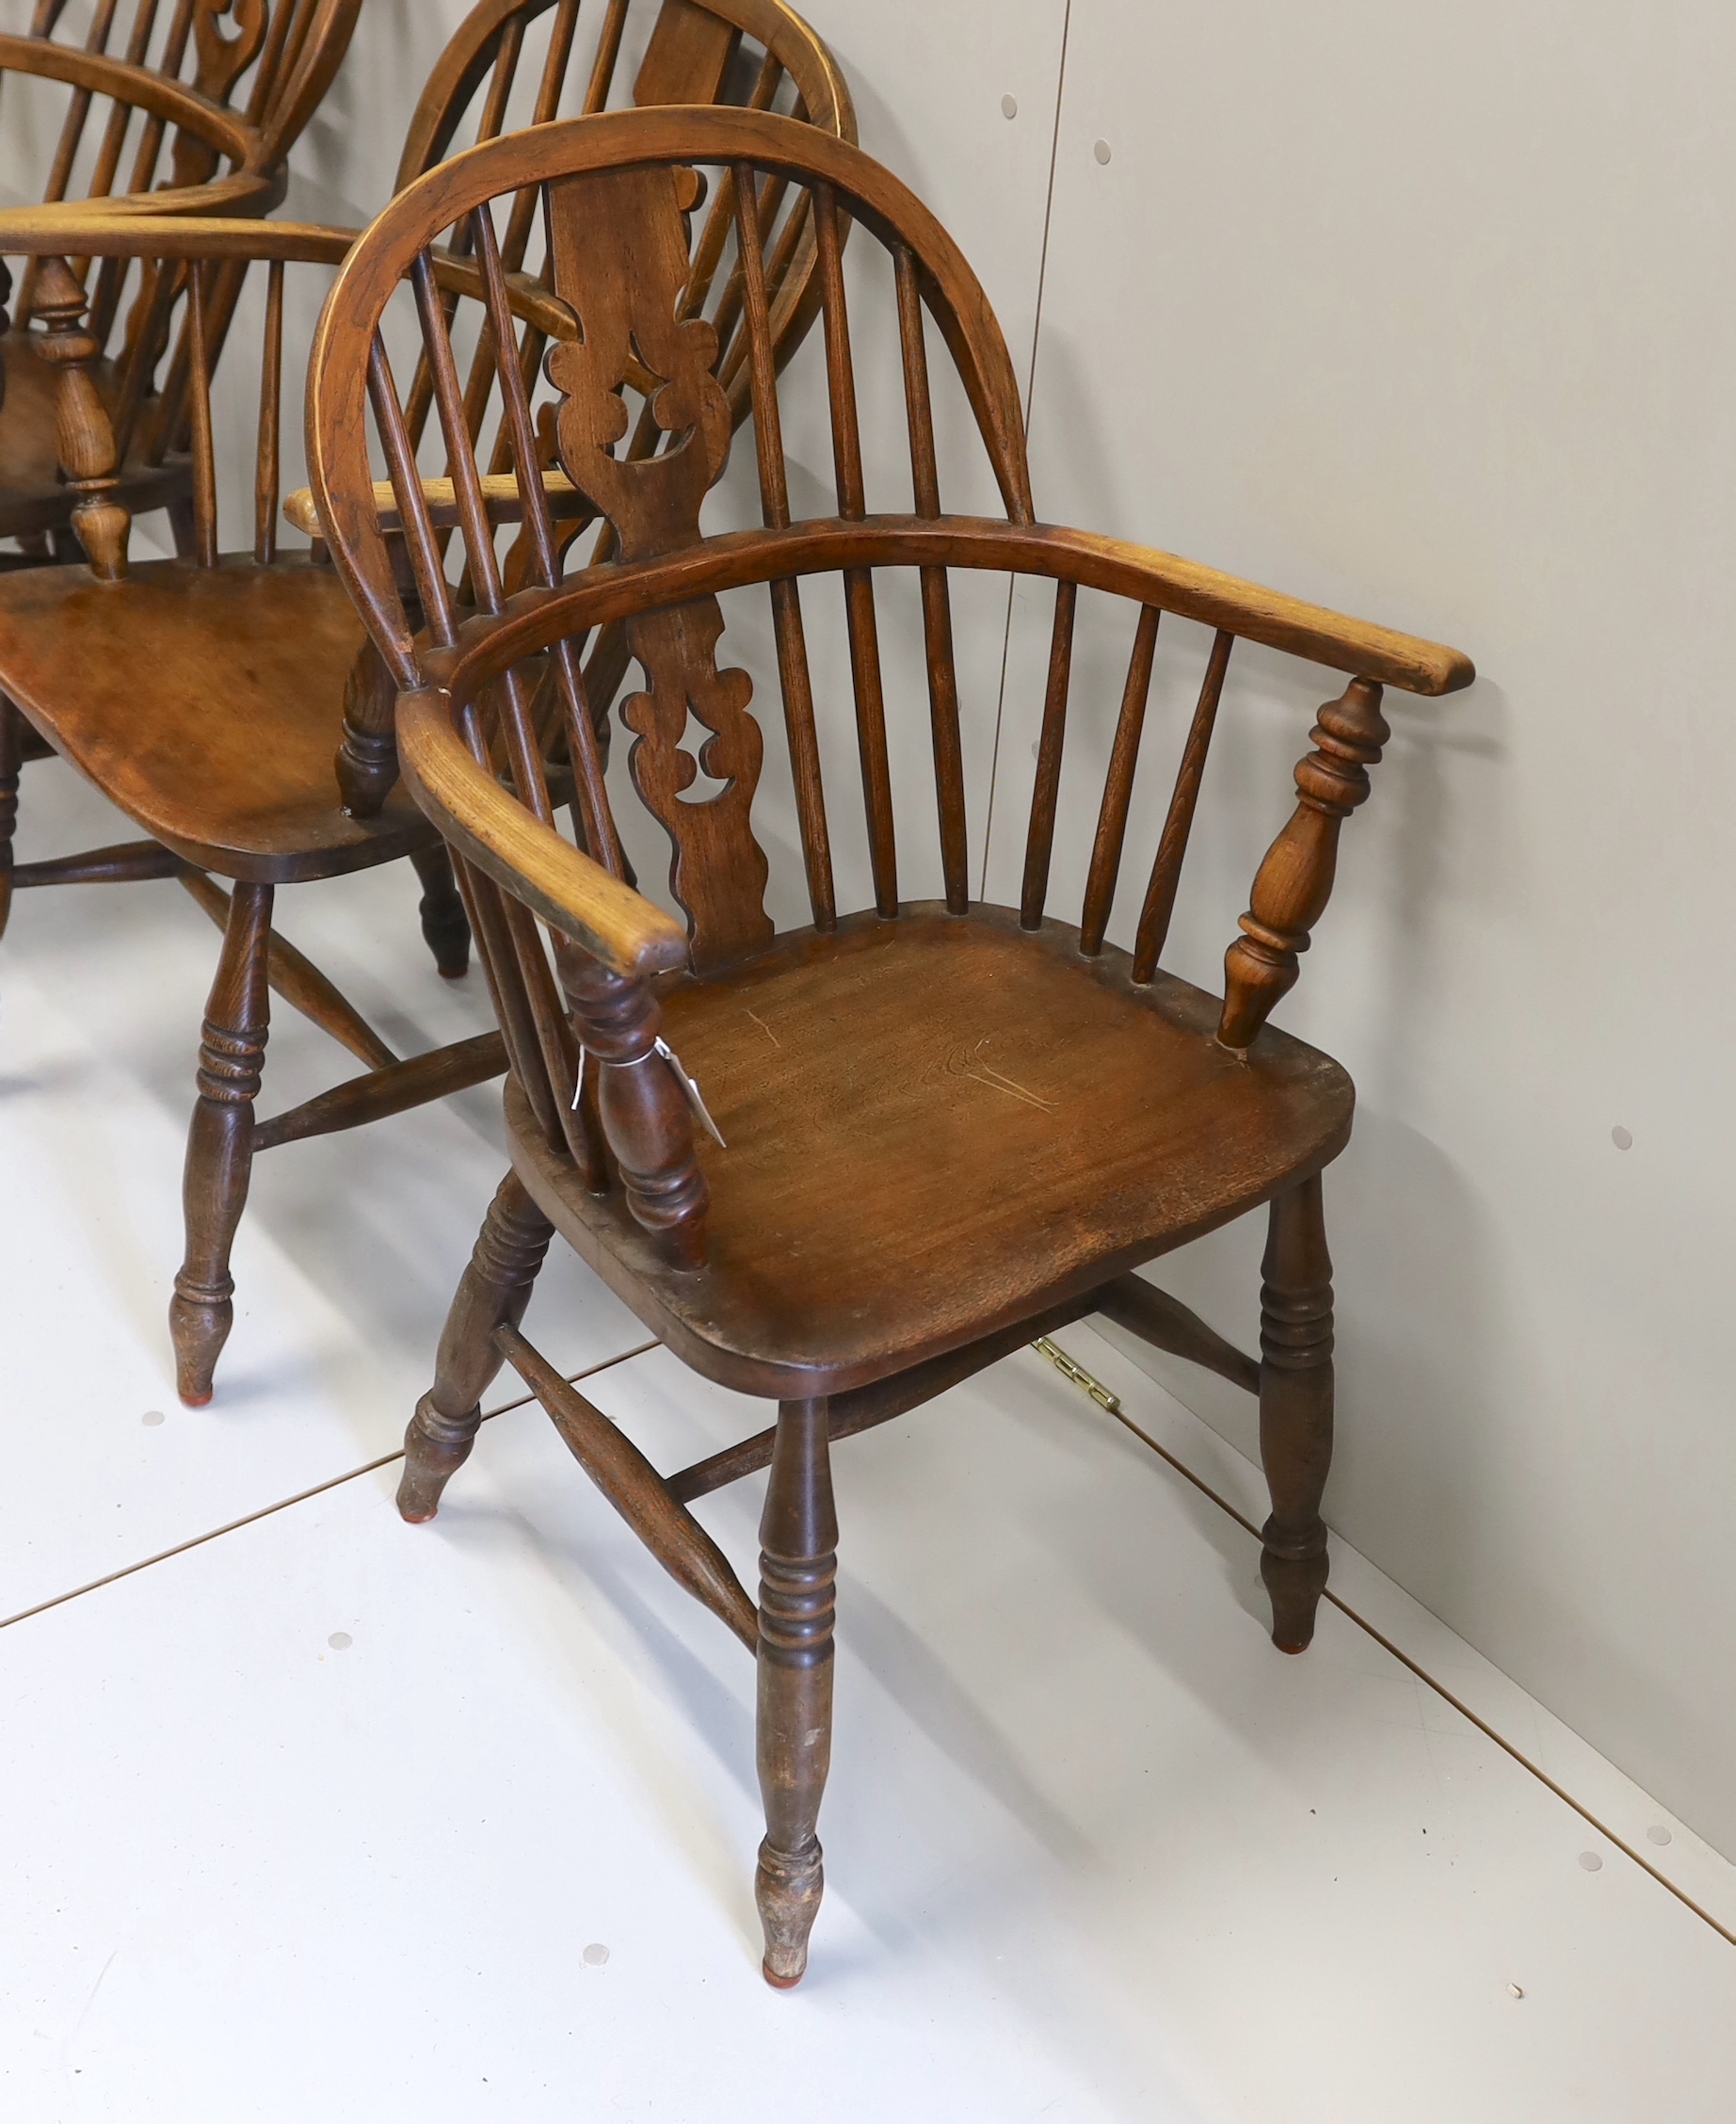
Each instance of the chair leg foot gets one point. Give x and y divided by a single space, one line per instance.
1294 1584
219 1151
798 1570
494 1290
435 1448
445 927
1295 1410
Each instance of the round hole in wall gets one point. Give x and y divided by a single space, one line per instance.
340 1640
1102 151
1009 107
1591 1862
595 1955
1621 1138
1657 1834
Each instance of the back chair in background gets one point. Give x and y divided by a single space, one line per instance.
148 127
231 702
950 1127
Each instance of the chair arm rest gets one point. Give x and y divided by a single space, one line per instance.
108 229
617 926
501 497
1252 611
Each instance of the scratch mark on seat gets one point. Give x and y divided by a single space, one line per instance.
996 1081
763 1027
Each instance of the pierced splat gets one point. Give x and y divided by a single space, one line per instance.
618 244
221 63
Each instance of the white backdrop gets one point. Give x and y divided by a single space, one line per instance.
1427 316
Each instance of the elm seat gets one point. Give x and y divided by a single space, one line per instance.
851 1077
234 771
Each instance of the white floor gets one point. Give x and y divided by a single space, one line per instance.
326 1818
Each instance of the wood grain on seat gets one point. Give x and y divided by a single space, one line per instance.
938 1126
208 703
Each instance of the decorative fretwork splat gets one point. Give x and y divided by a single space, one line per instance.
221 63
618 243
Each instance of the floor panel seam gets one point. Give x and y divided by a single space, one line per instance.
285 1503
1442 1690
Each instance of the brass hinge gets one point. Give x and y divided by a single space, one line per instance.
1070 1369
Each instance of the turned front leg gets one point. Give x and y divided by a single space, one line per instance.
798 1570
496 1290
220 1150
1295 1409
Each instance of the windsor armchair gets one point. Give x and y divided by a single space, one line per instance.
168 95
950 1127
231 702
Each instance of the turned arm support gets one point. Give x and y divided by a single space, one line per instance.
1294 883
89 455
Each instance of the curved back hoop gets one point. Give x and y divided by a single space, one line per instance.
179 69
695 48
627 170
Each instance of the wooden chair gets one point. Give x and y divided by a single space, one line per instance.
880 1225
162 90
231 703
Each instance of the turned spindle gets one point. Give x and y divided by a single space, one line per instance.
89 455
644 1111
1295 881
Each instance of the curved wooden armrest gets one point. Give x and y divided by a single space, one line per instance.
616 925
111 229
501 497
1252 611
57 226
819 545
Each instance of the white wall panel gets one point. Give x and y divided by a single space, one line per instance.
1426 316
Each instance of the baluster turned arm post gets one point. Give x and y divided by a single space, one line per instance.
1294 883
646 1120
89 456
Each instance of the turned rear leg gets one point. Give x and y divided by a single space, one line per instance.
798 1570
12 759
1295 1409
446 927
495 1289
220 1150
